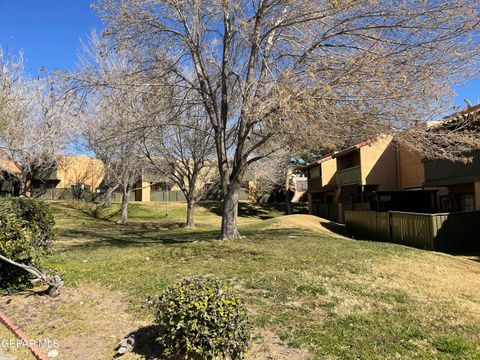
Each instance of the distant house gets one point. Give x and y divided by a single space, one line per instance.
7 171
298 184
72 176
74 171
77 175
322 187
377 174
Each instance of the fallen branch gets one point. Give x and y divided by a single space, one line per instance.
55 282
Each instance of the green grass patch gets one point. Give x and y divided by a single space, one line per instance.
317 291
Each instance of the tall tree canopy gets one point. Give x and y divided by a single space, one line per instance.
264 69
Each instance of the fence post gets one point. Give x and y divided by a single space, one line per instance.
390 228
432 231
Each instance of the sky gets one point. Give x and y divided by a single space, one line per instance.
49 33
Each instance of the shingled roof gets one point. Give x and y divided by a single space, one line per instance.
470 116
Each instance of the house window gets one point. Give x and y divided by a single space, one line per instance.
302 185
468 203
445 203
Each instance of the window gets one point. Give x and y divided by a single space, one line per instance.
302 185
445 203
468 203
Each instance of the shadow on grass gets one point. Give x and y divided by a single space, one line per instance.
244 210
472 256
93 210
260 211
145 343
136 235
139 235
337 228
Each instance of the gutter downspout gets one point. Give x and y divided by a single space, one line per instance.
399 180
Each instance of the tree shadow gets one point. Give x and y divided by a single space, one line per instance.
245 209
145 343
93 210
472 256
337 228
136 235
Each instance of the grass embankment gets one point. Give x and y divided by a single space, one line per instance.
329 296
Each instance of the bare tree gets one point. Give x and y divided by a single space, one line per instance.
109 129
271 172
35 128
111 116
11 79
272 66
181 147
276 172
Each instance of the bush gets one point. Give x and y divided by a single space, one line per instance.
26 230
199 319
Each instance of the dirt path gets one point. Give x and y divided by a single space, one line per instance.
88 322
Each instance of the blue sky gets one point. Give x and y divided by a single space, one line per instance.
49 33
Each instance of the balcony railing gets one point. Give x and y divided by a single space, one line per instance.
442 172
349 176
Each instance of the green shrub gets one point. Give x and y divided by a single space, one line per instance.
26 229
199 318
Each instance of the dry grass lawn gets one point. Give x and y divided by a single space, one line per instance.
312 293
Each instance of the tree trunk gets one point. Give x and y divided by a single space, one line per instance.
24 185
288 203
107 201
229 230
190 210
124 206
22 190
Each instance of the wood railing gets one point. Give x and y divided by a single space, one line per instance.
349 176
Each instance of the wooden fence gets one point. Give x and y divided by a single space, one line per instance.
326 211
452 232
155 196
68 194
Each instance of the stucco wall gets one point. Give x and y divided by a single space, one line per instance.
329 170
412 172
143 194
79 169
379 164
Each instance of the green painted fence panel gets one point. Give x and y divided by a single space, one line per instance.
117 197
383 226
412 229
62 194
457 232
162 196
368 225
452 232
326 211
